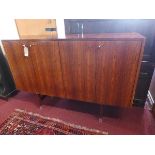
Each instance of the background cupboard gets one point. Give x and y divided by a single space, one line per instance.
95 68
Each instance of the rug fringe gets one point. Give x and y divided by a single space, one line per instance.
61 121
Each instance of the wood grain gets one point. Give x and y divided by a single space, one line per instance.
21 67
142 26
98 71
117 64
78 67
46 61
40 72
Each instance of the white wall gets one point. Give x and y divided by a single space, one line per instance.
8 29
60 27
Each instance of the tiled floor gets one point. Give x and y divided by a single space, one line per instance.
134 120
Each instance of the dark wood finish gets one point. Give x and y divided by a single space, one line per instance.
46 62
94 68
142 26
93 74
40 72
79 69
21 67
116 72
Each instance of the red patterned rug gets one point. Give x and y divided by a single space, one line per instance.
27 123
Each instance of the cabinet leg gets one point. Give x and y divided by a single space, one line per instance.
101 113
7 99
41 97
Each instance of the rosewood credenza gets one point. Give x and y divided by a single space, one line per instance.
97 68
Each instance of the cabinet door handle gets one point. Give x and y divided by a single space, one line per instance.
100 46
26 50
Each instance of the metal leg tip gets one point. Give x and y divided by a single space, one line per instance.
40 107
100 120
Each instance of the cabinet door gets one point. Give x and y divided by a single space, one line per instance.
46 62
117 64
21 67
78 67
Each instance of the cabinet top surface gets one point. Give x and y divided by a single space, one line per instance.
103 36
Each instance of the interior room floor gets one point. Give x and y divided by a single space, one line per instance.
135 120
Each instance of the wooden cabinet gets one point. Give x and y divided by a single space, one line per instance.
40 71
94 68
